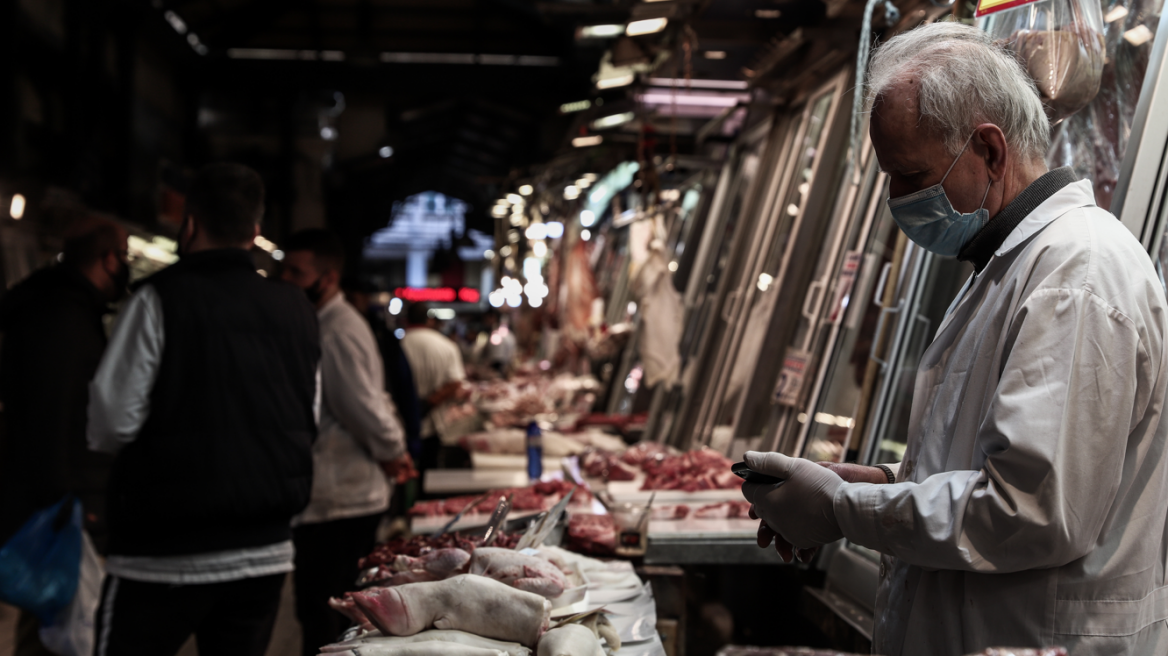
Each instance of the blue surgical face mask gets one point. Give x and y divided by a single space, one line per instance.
929 219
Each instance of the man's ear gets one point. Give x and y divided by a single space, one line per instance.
989 143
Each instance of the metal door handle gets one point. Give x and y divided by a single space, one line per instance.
729 305
814 291
880 322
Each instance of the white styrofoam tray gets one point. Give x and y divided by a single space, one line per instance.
631 492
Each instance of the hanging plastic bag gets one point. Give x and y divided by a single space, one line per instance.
39 565
72 632
1059 42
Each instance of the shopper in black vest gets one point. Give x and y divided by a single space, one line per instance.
207 393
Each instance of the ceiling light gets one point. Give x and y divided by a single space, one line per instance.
277 255
328 134
571 192
614 82
555 230
488 254
587 218
578 106
660 97
499 211
177 23
515 199
591 177
1115 14
16 209
715 54
601 31
505 251
584 142
697 84
613 120
647 26
395 306
585 235
767 13
516 220
526 190
385 152
539 249
1138 35
583 183
536 231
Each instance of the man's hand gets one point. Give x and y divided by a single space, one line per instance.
401 470
450 391
850 473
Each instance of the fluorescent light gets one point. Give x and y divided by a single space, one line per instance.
585 235
601 31
587 218
584 142
578 106
277 255
488 254
539 249
526 190
499 211
767 13
1138 35
177 23
555 230
715 54
441 314
571 192
662 98
385 152
16 209
264 244
614 82
647 26
515 199
697 84
1115 14
613 120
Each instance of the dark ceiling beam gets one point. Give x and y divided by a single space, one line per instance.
236 25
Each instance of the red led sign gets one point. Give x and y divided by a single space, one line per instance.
437 294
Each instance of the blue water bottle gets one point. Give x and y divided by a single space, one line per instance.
534 451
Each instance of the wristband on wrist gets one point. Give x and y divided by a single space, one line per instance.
888 473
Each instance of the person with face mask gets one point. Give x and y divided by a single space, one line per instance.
207 395
53 337
1031 506
360 450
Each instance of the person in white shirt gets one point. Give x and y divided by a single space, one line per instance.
360 450
438 373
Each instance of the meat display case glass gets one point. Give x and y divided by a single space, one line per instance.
776 272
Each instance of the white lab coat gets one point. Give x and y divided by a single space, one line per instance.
1035 504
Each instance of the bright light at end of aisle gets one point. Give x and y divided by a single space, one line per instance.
536 231
514 301
395 306
587 218
539 249
496 298
555 230
16 209
585 235
526 190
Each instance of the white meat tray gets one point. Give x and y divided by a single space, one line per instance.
434 524
510 461
631 492
697 529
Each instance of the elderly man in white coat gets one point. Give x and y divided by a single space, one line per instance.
1032 503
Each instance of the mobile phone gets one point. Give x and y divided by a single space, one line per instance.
747 474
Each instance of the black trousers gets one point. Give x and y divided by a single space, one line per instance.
155 619
326 566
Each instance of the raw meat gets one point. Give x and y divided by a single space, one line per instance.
703 469
570 640
440 562
540 496
433 648
670 512
641 452
598 463
475 604
518 570
1066 65
592 534
388 577
446 637
419 545
348 608
724 510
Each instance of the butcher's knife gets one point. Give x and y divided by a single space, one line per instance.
497 519
538 531
451 523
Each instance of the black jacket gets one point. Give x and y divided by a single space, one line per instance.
53 338
224 459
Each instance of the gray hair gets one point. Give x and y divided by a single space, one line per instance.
965 79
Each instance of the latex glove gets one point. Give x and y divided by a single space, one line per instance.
800 509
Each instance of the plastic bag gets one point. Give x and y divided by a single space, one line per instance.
39 565
1059 42
72 633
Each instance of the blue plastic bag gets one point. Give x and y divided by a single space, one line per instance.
39 566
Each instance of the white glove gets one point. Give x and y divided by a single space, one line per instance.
800 509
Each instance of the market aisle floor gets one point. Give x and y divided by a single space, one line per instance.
285 638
